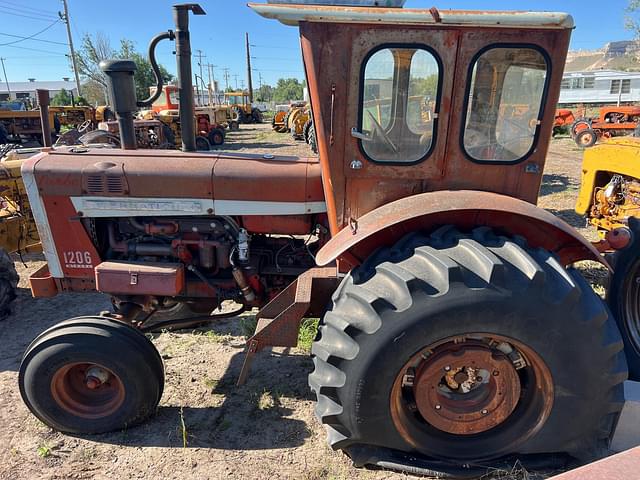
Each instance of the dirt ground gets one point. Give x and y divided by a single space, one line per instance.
205 427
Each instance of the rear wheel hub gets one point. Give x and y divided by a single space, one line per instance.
466 388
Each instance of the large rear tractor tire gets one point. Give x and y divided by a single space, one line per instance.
468 347
624 299
216 137
91 375
8 284
313 141
256 115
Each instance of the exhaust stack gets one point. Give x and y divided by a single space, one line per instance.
121 84
183 63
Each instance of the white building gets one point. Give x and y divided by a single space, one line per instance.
600 87
27 90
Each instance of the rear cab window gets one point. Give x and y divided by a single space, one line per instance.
399 102
507 86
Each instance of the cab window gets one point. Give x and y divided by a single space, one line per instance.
504 104
399 104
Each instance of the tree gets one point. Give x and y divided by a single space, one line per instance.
288 89
61 98
95 92
95 49
264 93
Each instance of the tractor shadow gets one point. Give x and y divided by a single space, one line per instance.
245 420
553 183
254 416
31 316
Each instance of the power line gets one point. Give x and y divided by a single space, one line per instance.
36 50
22 39
45 19
38 11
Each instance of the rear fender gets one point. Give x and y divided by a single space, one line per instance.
465 209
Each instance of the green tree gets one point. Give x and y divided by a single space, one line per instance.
94 49
288 89
264 93
61 98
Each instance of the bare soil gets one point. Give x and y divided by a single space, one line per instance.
205 427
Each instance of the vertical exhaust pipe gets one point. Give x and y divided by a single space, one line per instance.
43 106
122 90
183 63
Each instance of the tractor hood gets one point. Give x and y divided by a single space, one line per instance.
110 182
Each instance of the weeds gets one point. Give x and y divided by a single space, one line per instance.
44 451
183 429
248 325
266 401
307 333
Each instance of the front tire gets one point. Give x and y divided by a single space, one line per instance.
91 375
486 299
586 138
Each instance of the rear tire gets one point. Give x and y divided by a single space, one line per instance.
624 300
91 375
8 284
313 143
216 137
234 126
256 115
202 143
404 301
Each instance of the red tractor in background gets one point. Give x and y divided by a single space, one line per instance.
454 324
611 122
563 121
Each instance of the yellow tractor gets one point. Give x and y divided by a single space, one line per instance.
610 199
242 107
17 227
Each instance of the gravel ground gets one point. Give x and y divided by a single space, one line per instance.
264 429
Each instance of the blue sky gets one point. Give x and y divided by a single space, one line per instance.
220 34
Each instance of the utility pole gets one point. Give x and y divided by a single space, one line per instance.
235 76
249 82
65 18
242 84
226 78
5 76
201 77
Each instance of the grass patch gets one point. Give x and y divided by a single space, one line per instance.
44 451
183 429
307 333
266 401
248 325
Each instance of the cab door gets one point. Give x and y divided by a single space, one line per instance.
397 115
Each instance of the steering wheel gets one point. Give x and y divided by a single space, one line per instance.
84 126
379 131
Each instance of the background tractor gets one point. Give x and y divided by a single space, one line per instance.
242 108
454 324
611 122
610 199
17 226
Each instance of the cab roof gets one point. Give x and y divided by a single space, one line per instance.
293 14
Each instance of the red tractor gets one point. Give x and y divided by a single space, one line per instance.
611 122
563 121
454 325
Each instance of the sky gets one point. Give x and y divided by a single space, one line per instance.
220 34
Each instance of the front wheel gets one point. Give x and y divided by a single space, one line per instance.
586 138
216 137
467 347
91 375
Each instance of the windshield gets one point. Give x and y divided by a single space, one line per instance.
502 118
398 104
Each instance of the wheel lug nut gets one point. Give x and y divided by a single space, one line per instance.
447 368
438 407
485 411
496 373
478 379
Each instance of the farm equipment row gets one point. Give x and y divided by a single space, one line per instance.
297 120
454 324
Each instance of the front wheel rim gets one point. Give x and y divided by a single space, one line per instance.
435 393
87 390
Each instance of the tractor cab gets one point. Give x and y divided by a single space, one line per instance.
407 101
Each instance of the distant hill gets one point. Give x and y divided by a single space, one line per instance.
623 55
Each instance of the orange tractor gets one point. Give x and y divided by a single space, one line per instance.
611 122
563 121
454 324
